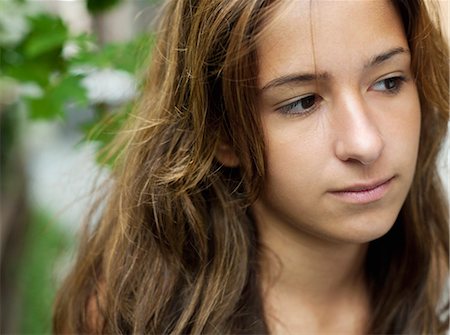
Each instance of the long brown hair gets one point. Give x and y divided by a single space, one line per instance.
176 249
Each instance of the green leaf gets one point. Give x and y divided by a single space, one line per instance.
70 90
56 97
27 71
44 108
128 56
97 6
48 33
38 46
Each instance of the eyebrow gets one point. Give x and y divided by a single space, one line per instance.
308 77
378 59
295 78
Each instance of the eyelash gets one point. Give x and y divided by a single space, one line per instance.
292 108
398 81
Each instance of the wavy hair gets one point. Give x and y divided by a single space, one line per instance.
176 249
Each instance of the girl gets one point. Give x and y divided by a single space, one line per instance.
279 177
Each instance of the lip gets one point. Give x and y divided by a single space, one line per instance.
362 193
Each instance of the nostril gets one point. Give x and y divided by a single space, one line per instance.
354 147
356 127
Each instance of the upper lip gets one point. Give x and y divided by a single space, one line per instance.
358 187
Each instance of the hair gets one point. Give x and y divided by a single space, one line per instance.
176 248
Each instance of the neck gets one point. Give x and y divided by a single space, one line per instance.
313 277
295 263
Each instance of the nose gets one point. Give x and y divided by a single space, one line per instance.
357 136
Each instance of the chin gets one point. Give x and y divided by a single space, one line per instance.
367 228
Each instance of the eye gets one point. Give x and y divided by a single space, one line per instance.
302 106
390 85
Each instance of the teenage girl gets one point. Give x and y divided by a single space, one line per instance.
279 176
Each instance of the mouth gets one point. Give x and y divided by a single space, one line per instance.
364 192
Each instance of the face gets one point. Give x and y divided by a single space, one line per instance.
341 120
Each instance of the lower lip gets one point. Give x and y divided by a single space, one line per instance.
364 196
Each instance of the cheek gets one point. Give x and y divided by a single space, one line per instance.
404 129
296 155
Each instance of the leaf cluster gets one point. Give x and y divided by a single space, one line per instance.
50 82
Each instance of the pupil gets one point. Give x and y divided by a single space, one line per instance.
308 102
390 83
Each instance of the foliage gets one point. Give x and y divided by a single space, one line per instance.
99 6
46 68
45 244
95 6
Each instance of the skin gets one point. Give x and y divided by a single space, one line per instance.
361 127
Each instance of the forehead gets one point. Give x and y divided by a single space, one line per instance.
324 35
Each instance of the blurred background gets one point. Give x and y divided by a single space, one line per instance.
68 77
70 71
